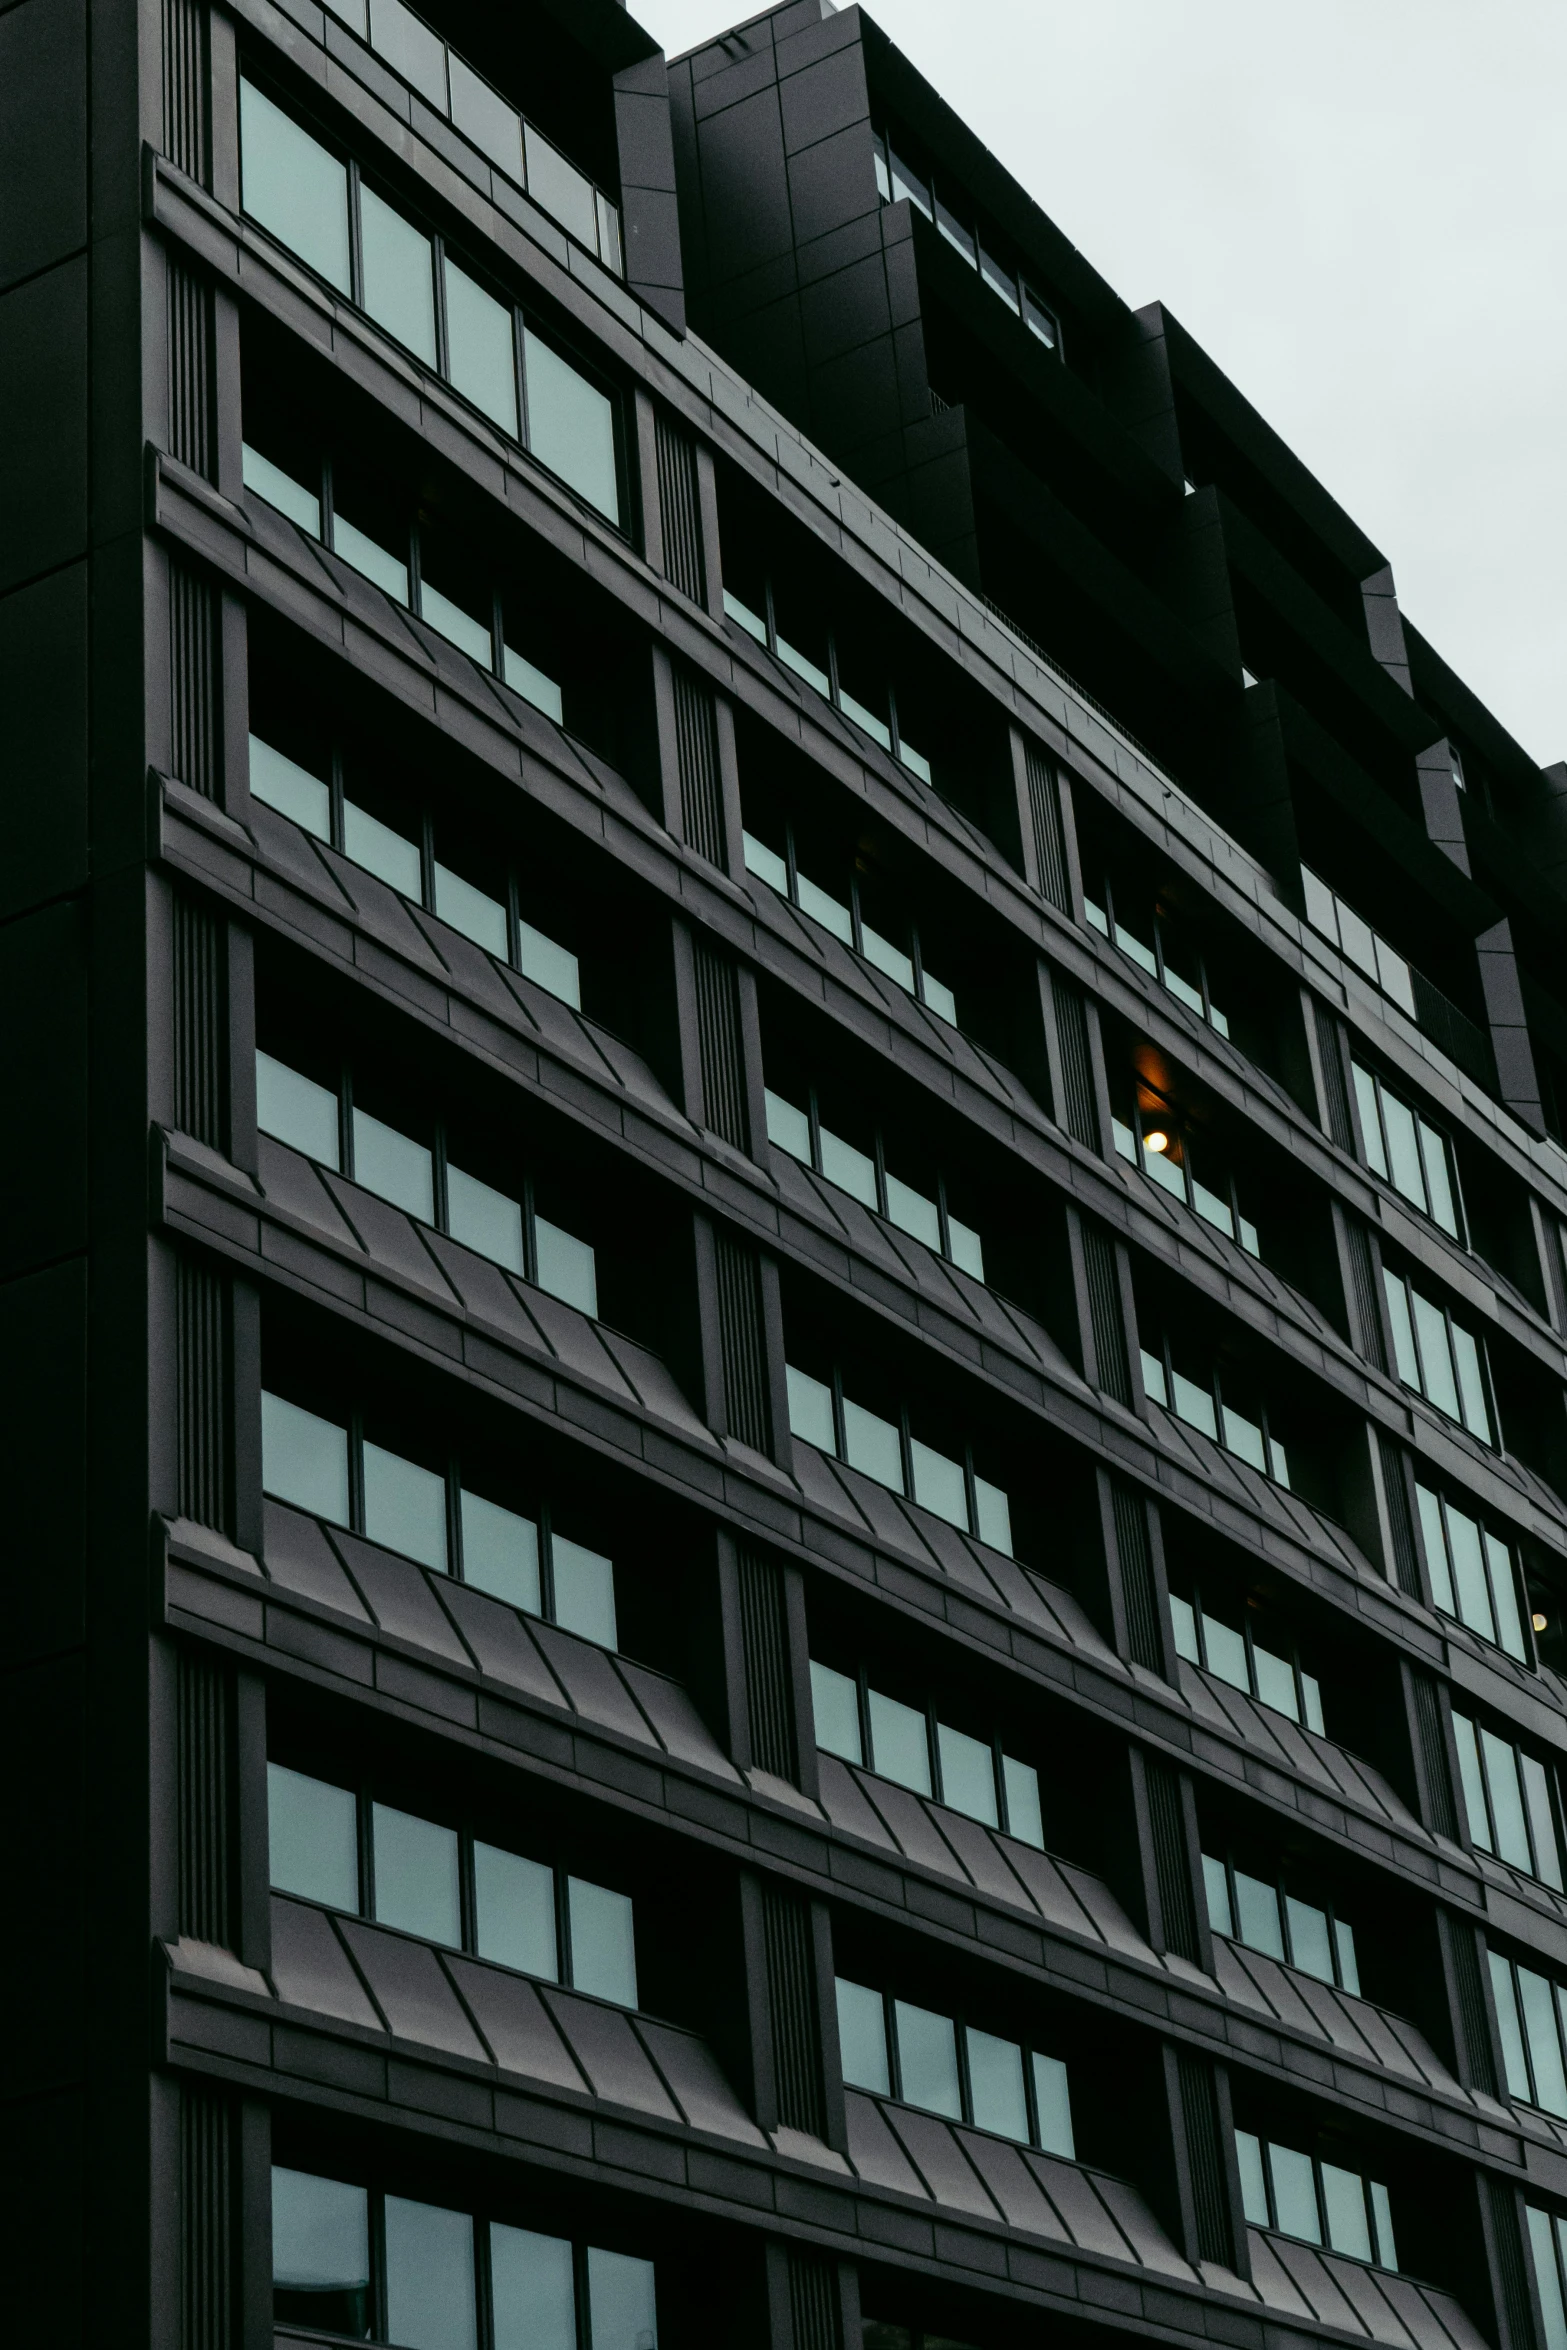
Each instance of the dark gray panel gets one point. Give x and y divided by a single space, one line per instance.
43 691
839 313
743 186
43 135
43 423
43 1454
42 1727
825 98
43 1083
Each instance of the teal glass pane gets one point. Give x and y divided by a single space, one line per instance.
1471 1384
1439 1179
514 1912
480 348
484 1219
291 789
1344 2201
571 427
416 1876
1538 2003
380 850
1435 1536
304 1459
824 908
1226 1652
405 1506
431 2297
484 117
418 54
1504 1597
1275 1681
1510 2024
1311 1945
993 1515
534 684
939 1484
873 1446
1294 2194
1472 1781
927 2059
567 1267
320 2253
552 967
293 187
852 1171
1403 1149
913 1213
968 1775
1348 1966
1470 1579
399 275
394 1166
1507 1811
296 1110
1194 1403
968 1252
459 627
583 1582
1382 2214
372 561
996 2091
1542 1821
1184 1618
281 490
862 2038
766 863
500 1553
835 1706
900 1743
560 189
622 2301
312 1838
1053 2105
1257 1914
603 1942
1547 2276
886 957
810 1410
1404 1355
1254 2185
533 2284
788 1128
1216 1885
1436 1359
1025 1819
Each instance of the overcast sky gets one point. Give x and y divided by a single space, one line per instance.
1359 207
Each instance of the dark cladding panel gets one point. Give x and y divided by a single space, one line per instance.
43 135
745 189
43 690
43 421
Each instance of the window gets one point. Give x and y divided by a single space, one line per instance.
447 1886
830 663
322 209
1509 1801
1199 1396
1269 1670
1548 2245
349 2260
1157 946
1407 1151
1472 1573
943 2065
1437 1356
899 181
1531 2015
866 1176
821 1414
1327 912
915 1749
423 1178
432 1516
1279 1921
1163 1147
1316 2201
489 917
845 918
477 622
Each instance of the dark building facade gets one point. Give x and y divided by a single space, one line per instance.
785 1279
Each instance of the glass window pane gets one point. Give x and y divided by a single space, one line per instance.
514 1911
430 2298
1244 1437
532 2280
825 909
1216 1884
584 1588
867 720
416 1880
1436 1361
938 998
500 1553
1226 1652
999 279
850 1169
968 1775
967 1248
479 344
1254 2188
484 1219
912 1212
1194 1404
603 1942
835 1705
1257 1915
1184 1617
280 489
803 666
368 557
409 46
1275 1681
533 684
1138 949
1473 1783
1370 1121
1403 1149
957 234
380 850
996 2091
1358 940
1501 1778
1321 905
294 187
312 1838
484 117
405 1507
321 2253
290 789
810 1410
1510 2024
1344 1945
1504 1594
1154 1381
1382 2214
900 1743
1311 1946
993 1516
571 426
765 863
459 627
621 2301
1404 1355
560 189
1053 2104
906 181
862 2038
567 1268
1213 1208
939 1484
1344 2199
886 957
1311 1691
1547 2277
394 1167
1537 1795
1469 1575
872 1445
1471 1381
1545 2048
399 275
296 1110
304 1459
1040 321
927 2059
754 626
1025 1820
1294 2194
1432 1529
552 967
1439 1187
1393 976
788 1127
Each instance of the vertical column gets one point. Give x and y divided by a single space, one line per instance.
1208 2188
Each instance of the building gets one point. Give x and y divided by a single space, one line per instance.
784 1292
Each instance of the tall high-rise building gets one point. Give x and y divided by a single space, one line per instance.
783 1292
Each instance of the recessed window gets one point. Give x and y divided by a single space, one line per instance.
1437 1356
1473 1572
1406 1150
942 2064
845 919
1327 912
1158 945
1281 1921
1221 1405
294 187
1316 2201
1224 1641
833 665
1510 1801
1154 1138
886 1451
866 1176
916 1749
1531 2014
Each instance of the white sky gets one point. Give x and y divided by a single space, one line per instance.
1359 207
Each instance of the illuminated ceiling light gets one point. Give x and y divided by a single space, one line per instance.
1157 1141
1539 1622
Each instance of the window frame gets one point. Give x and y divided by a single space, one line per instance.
962 214
1303 1717
906 1440
961 2022
1491 1438
1279 1885
903 755
1459 1234
1274 1449
812 1113
1502 1963
1136 1154
1473 1745
1522 1610
856 945
1324 2242
933 1728
1108 927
